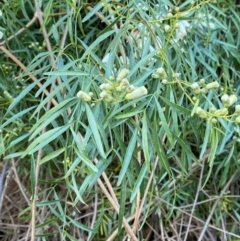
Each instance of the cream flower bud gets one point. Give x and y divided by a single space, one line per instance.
130 88
167 28
221 112
161 73
164 81
237 108
202 81
122 74
138 92
201 113
119 88
108 86
125 82
214 120
102 86
204 90
108 98
225 98
103 94
212 85
232 99
237 120
195 86
111 77
84 96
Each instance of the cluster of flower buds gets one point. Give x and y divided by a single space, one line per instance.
202 88
223 112
160 74
228 100
116 89
84 96
37 46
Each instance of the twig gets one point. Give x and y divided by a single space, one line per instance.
197 193
137 211
2 178
94 214
116 207
19 182
20 30
115 232
214 207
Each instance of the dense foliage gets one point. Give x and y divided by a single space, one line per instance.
120 119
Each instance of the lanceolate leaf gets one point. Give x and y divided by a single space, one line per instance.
94 128
127 157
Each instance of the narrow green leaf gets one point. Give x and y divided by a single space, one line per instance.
19 139
17 115
51 115
185 148
95 43
127 157
67 72
22 94
127 115
92 12
74 187
44 139
122 204
94 128
139 181
164 122
52 155
13 155
81 226
72 167
195 107
86 160
33 175
176 107
145 140
160 150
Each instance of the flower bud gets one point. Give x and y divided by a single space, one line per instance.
103 94
214 120
232 99
167 28
84 96
212 85
237 120
202 81
122 74
111 78
195 86
161 73
203 90
125 82
164 81
102 86
119 88
138 92
7 95
108 98
221 112
130 88
108 86
225 100
201 113
237 108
